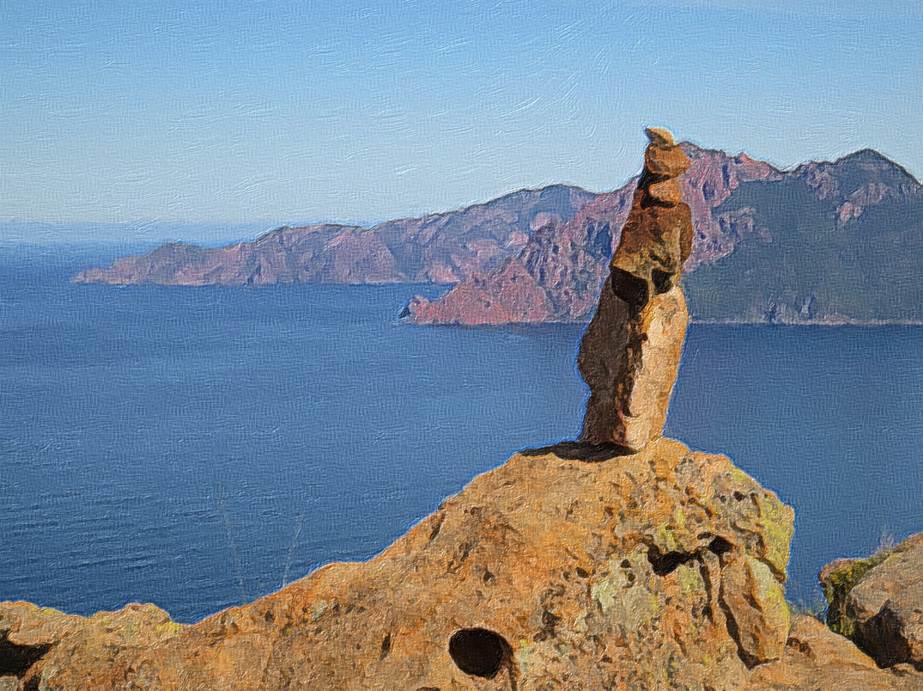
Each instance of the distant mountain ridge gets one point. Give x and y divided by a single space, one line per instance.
437 248
825 242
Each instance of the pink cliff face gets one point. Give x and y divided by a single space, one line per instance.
708 183
567 263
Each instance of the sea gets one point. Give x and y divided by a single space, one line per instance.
201 447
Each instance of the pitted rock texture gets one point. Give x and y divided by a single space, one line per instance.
878 602
567 567
553 571
630 353
32 637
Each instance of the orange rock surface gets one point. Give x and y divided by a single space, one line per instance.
575 572
565 568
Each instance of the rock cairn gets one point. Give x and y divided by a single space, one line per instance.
631 350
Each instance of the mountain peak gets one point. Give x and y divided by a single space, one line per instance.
867 155
871 158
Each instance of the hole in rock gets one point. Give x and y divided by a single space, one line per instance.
629 288
479 652
385 646
666 563
662 280
719 546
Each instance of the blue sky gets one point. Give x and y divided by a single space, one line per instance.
238 112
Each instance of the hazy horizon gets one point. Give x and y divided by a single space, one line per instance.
39 232
214 232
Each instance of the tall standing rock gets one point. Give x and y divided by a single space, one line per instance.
631 350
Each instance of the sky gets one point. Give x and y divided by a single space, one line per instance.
263 112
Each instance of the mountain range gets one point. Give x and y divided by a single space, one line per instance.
825 242
437 248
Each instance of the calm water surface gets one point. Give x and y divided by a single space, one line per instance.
201 447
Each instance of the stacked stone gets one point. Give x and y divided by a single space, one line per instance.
631 350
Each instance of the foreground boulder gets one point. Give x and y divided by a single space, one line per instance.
31 635
557 570
878 602
565 568
630 353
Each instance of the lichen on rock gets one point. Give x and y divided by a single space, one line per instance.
593 574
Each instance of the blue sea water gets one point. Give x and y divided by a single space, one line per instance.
198 448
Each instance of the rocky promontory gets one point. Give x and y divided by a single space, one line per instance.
824 243
436 248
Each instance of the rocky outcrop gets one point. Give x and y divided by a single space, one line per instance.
823 243
878 602
438 248
563 568
629 355
31 636
567 567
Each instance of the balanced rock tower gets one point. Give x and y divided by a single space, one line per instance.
630 352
